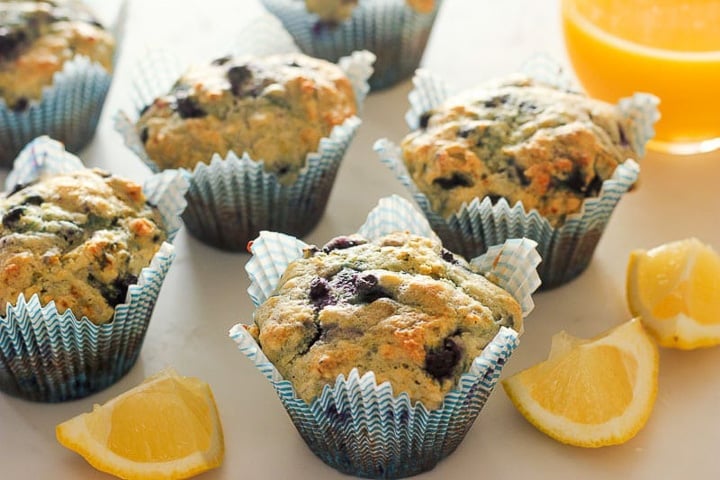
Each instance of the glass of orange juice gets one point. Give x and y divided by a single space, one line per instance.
670 48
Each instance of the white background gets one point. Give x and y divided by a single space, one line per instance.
204 294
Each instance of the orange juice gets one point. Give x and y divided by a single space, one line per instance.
670 48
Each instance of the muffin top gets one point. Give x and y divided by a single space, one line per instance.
38 37
401 306
333 11
275 108
520 140
79 239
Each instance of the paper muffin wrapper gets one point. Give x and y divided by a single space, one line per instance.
362 428
231 199
68 110
50 356
566 250
390 29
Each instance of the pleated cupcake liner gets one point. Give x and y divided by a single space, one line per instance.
390 29
357 426
69 109
566 250
232 198
49 356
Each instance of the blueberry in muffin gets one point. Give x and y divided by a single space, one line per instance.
400 306
520 140
78 239
276 109
38 37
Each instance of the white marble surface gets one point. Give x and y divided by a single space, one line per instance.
204 294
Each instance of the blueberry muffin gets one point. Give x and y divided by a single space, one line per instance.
79 239
396 31
520 140
400 306
38 37
339 10
276 109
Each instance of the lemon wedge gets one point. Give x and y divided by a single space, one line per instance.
590 393
675 288
167 427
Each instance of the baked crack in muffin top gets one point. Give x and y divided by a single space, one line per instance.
38 37
79 239
275 108
520 140
400 306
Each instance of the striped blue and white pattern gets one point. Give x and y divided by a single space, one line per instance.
52 357
513 266
265 35
45 156
643 109
362 428
566 251
69 110
166 190
389 28
429 92
271 252
393 214
42 156
230 200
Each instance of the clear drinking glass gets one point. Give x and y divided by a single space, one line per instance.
670 48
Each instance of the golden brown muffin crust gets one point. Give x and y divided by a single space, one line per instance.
400 306
78 239
519 140
37 38
275 108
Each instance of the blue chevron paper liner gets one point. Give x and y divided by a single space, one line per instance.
511 265
42 155
357 426
52 357
361 428
69 110
45 156
429 92
265 35
566 251
643 109
231 199
393 214
272 253
389 28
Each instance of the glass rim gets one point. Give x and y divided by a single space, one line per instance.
684 147
569 9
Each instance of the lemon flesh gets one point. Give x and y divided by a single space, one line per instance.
590 393
167 427
675 289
